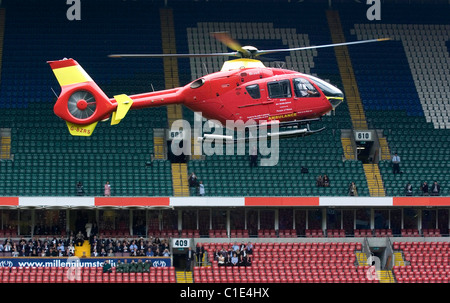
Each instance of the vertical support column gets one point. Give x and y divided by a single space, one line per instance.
276 223
130 225
372 219
324 220
228 223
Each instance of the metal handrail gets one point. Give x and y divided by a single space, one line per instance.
366 248
349 148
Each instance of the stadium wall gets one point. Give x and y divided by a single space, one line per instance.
69 202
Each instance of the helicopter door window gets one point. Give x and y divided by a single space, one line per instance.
253 91
303 88
279 89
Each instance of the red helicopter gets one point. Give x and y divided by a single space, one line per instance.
243 90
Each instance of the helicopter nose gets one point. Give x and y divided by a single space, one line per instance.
336 97
335 101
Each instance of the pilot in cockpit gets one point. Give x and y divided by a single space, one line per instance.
305 89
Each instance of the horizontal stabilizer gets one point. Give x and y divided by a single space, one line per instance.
123 105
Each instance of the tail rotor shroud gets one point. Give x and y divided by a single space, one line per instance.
81 104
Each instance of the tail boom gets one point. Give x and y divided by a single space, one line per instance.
82 103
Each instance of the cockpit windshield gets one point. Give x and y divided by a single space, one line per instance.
303 88
329 90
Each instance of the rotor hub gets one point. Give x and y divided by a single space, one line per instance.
82 104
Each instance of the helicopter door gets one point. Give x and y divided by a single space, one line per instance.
306 96
280 97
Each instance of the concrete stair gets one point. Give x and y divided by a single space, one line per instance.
5 144
361 258
399 261
83 249
159 147
180 180
351 91
385 276
385 152
184 277
349 152
374 180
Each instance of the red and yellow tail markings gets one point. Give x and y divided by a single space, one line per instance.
71 75
68 71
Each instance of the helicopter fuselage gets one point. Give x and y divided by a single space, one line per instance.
260 94
256 93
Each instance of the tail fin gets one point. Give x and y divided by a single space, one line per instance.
81 102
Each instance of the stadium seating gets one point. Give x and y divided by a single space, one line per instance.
47 160
280 263
410 232
400 118
84 275
403 94
383 232
428 262
363 233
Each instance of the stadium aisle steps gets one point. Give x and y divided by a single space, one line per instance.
385 276
184 277
86 247
174 112
385 152
180 180
348 77
158 147
399 261
5 145
361 258
348 149
374 180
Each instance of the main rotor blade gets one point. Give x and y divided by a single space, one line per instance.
262 52
233 54
226 39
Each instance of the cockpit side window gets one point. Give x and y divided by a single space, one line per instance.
303 88
253 91
279 89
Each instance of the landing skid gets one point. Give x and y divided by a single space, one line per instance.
291 133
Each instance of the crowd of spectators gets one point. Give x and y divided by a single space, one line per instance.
323 181
235 255
39 247
152 247
62 246
424 189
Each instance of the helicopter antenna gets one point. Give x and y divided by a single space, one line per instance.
280 64
54 92
153 89
206 68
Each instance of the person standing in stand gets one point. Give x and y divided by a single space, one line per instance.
200 250
189 259
107 189
201 189
396 164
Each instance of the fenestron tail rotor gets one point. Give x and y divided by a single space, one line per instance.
81 104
